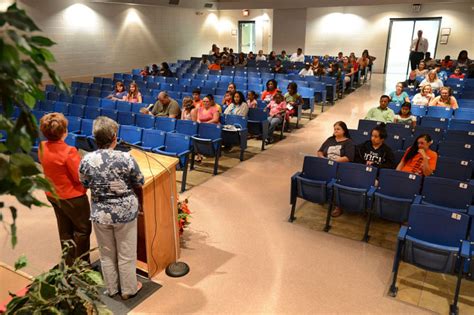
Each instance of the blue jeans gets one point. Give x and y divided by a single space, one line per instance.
273 122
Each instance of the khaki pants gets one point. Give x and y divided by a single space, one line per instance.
72 216
118 256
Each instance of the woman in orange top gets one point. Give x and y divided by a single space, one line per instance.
419 158
272 89
61 167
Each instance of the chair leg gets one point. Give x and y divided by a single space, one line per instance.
327 227
453 308
396 264
292 213
263 143
367 226
193 155
216 163
185 174
241 154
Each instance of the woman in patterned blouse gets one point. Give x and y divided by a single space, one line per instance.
113 177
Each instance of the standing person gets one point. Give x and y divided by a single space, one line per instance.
419 158
61 166
375 152
418 49
381 113
114 179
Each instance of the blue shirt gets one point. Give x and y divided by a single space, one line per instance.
119 95
400 99
111 176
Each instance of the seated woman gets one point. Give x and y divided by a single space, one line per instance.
61 167
364 61
411 82
405 116
419 158
424 97
399 96
375 152
154 69
320 70
293 100
272 56
228 99
189 111
114 179
272 89
119 92
340 148
133 96
241 61
463 61
315 64
145 72
277 109
238 106
445 99
348 68
457 74
208 113
433 80
165 70
232 88
421 71
252 99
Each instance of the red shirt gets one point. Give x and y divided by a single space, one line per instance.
61 166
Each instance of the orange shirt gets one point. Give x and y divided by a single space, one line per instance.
197 104
415 165
61 166
214 66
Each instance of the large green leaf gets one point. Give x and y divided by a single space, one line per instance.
42 41
19 19
21 262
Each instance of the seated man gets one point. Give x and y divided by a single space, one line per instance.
306 71
216 65
297 56
278 68
164 106
382 112
411 81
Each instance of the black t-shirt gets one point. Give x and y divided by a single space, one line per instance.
382 157
334 150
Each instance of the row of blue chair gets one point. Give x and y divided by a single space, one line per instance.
437 111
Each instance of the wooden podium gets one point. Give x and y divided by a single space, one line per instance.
157 225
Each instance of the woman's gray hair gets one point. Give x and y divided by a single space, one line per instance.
104 131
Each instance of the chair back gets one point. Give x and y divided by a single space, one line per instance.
447 192
356 175
130 134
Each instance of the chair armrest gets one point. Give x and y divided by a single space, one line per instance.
417 199
161 147
217 140
331 183
470 211
402 233
466 249
137 143
180 154
371 191
295 175
173 154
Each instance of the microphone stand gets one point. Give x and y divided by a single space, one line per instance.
177 268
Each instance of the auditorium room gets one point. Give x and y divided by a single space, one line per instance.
236 157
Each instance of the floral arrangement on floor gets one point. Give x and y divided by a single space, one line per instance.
183 215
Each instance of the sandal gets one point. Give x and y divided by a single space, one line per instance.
336 212
127 296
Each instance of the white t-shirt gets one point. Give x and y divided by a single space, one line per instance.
260 58
296 58
306 73
419 99
435 85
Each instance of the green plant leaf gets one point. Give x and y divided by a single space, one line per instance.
14 239
47 55
42 41
21 262
47 291
93 277
19 19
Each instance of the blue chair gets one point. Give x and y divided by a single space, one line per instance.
153 139
393 197
418 110
467 254
82 91
94 93
91 101
212 84
314 183
148 99
431 241
395 142
104 94
439 112
111 113
109 104
108 81
65 98
208 143
401 130
434 122
178 145
76 110
126 118
97 80
459 136
464 113
257 124
123 106
47 106
308 98
447 193
461 124
145 121
359 136
91 112
131 134
436 134
353 186
367 125
454 168
237 137
74 124
84 137
459 150
165 123
61 107
187 127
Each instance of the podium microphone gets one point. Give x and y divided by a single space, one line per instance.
178 268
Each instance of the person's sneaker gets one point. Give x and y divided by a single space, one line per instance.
129 296
106 292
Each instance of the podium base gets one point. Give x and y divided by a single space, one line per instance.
177 269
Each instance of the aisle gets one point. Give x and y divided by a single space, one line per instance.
246 258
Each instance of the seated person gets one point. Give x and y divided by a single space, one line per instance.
399 96
272 89
238 105
442 75
306 71
197 102
447 63
411 82
278 68
433 80
347 67
277 109
340 56
320 70
293 100
250 56
208 112
252 99
457 74
119 92
463 61
429 62
283 56
216 65
272 56
164 106
405 116
145 72
298 56
189 111
315 64
165 70
334 70
375 152
340 148
424 97
421 71
228 99
445 99
382 112
134 95
419 158
241 61
260 56
154 70
205 61
232 88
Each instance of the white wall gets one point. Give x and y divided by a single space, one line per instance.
353 29
96 38
289 29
